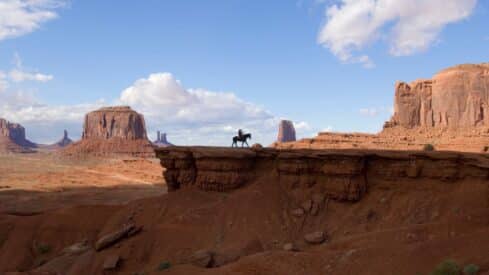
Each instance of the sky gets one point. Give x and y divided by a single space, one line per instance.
200 70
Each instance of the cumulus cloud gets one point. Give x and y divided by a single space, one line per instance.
20 17
409 26
166 103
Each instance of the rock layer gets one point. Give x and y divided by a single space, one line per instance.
113 131
340 175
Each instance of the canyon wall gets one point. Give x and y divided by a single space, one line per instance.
342 175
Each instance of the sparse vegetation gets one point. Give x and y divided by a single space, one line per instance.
471 269
428 147
485 149
447 267
43 248
163 266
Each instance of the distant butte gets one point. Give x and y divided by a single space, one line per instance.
113 131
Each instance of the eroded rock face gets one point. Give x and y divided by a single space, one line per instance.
338 175
286 131
113 131
13 137
114 122
457 97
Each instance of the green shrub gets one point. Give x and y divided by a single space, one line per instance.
428 147
447 267
163 266
43 248
471 269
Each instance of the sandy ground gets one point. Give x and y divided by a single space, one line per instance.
40 181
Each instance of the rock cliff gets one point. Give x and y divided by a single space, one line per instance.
286 131
13 139
339 175
455 98
113 131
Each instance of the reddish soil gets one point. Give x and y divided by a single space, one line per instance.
403 226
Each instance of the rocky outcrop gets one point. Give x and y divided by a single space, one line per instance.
63 142
457 97
114 122
339 175
161 140
113 131
13 139
286 131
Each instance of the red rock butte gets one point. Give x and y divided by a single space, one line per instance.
115 130
449 111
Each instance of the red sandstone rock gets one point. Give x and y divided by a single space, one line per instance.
457 97
12 138
113 131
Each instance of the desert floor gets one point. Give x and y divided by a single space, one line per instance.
30 183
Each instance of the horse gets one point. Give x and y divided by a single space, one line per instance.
243 139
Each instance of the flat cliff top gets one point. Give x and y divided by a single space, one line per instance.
479 159
114 109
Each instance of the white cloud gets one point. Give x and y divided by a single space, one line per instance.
20 17
375 111
369 111
409 26
215 116
17 75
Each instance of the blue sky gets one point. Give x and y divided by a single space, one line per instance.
201 69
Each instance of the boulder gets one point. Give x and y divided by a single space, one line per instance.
202 258
315 238
286 131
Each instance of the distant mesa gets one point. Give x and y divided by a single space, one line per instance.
113 131
161 140
286 131
13 139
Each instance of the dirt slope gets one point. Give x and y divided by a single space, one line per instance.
403 226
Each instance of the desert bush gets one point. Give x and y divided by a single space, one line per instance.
43 248
428 147
471 269
163 266
447 267
485 149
